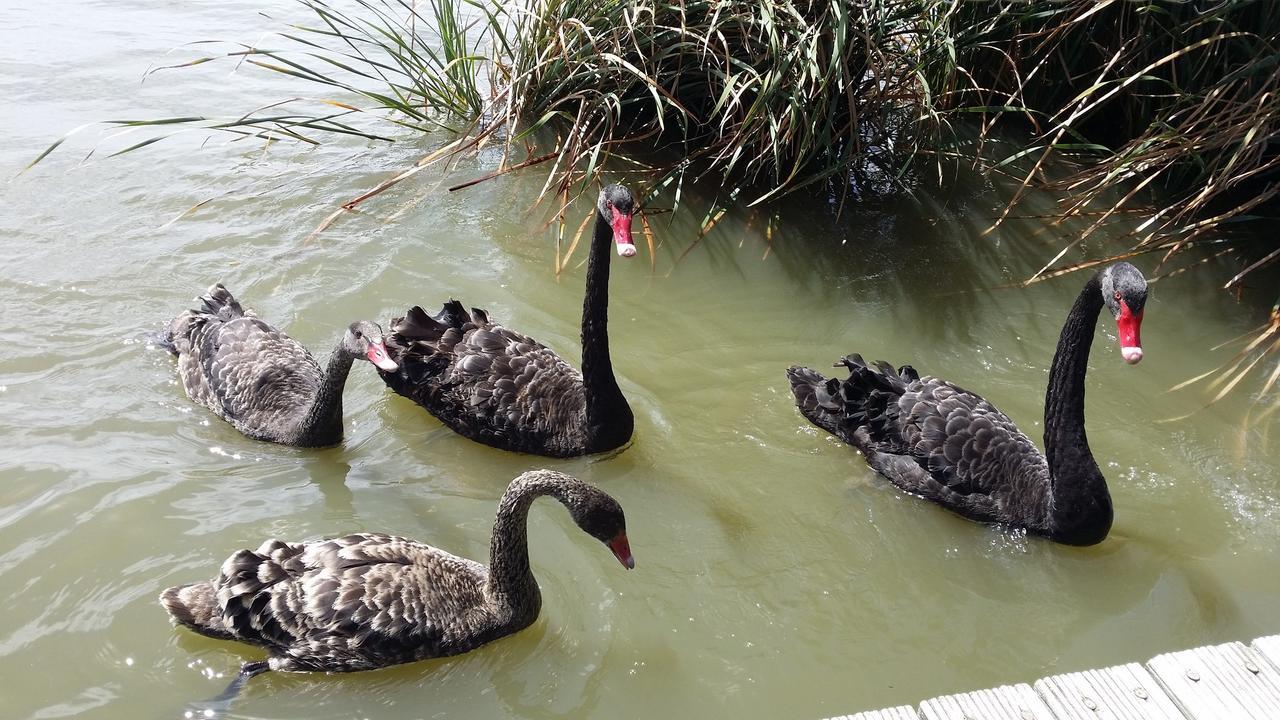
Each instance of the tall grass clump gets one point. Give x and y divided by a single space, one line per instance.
769 96
1110 104
1181 96
1167 95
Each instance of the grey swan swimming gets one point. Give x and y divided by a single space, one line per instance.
366 600
502 388
946 444
262 381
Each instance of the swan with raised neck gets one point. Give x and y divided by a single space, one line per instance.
502 388
937 440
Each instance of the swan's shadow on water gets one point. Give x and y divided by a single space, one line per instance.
329 470
1216 608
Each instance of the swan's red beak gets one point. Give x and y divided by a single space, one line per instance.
621 223
622 550
377 355
1129 326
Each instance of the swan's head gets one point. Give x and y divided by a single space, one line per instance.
1124 290
600 516
364 340
616 205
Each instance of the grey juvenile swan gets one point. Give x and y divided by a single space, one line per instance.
948 445
505 389
366 601
262 381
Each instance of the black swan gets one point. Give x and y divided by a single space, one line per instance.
366 601
499 387
939 441
262 381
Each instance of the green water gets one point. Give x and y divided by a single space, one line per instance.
776 575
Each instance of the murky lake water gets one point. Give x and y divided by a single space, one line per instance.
776 575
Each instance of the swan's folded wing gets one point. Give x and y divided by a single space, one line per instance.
513 381
257 372
966 444
380 597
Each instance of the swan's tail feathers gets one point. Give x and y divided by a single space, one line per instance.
817 398
220 303
163 339
867 377
196 606
217 306
420 344
860 409
853 361
870 398
453 314
417 325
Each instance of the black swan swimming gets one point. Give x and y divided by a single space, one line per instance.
499 387
366 601
948 445
262 381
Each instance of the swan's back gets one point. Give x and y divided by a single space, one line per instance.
240 367
932 438
488 382
357 602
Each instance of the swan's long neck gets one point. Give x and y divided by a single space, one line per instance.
322 425
608 415
1081 506
511 585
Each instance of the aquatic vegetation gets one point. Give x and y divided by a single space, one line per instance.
1162 108
773 97
1180 98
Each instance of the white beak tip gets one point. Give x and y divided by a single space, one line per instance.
627 250
1131 355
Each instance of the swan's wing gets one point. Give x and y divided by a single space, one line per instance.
974 452
486 381
361 600
256 373
514 381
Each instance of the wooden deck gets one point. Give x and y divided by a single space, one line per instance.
1219 682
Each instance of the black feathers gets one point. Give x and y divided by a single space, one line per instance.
487 382
930 438
949 445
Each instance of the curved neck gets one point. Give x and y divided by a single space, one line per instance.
322 425
1081 503
607 410
511 583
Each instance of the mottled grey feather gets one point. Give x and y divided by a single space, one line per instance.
257 378
369 600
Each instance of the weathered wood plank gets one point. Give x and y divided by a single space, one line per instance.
1123 692
902 712
1220 681
1270 648
1008 702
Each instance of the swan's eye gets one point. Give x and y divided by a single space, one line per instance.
1117 295
359 334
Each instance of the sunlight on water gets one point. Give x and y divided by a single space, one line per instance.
776 576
